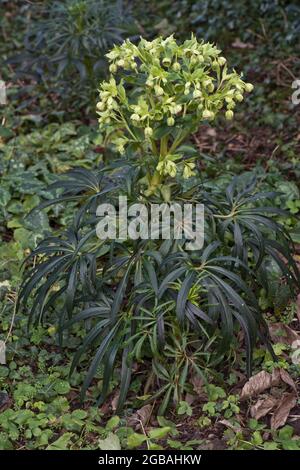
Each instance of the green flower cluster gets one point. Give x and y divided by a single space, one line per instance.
165 89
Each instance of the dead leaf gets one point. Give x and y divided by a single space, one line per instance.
211 132
281 414
197 383
238 44
276 377
235 427
189 398
262 407
105 408
141 417
259 383
285 376
4 400
115 400
281 333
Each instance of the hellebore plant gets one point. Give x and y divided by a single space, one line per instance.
151 302
67 43
172 89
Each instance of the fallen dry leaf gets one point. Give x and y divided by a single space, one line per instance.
238 44
281 414
115 400
189 398
259 383
235 427
141 417
262 407
211 132
197 383
281 333
285 377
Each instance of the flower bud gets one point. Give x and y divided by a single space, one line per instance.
166 61
221 61
158 90
239 97
148 132
229 115
121 63
171 168
150 82
188 170
176 66
113 68
249 87
100 106
197 94
135 117
171 121
208 114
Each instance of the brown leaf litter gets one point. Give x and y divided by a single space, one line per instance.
281 405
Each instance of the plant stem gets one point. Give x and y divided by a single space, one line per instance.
164 146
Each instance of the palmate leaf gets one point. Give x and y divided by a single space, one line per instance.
252 225
232 295
69 40
138 299
60 269
83 186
